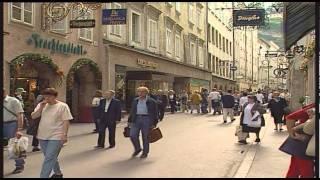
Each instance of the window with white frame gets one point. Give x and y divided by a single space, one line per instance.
22 12
217 39
169 41
152 33
223 44
191 16
178 7
201 60
86 33
213 64
199 18
60 26
193 53
116 29
135 27
227 47
177 46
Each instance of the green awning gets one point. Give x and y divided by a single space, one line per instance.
299 20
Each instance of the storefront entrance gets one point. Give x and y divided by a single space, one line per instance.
33 73
83 80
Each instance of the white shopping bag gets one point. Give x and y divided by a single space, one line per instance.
17 146
255 121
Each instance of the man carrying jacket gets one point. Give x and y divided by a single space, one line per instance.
143 117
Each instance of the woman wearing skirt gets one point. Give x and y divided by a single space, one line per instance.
249 111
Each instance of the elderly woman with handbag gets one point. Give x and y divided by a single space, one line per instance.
251 119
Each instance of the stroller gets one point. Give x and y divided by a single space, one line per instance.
236 108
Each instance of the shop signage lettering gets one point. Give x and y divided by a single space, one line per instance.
84 23
114 16
249 17
55 45
145 63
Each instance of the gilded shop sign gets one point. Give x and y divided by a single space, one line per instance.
55 45
145 63
249 17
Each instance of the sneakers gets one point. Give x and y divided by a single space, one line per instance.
35 149
57 176
136 153
18 170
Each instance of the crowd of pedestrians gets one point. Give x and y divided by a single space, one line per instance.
51 117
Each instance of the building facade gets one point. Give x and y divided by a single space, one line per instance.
70 60
220 51
162 46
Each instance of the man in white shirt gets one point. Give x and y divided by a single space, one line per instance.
243 100
215 97
12 123
260 97
53 130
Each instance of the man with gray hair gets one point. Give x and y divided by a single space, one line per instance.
109 112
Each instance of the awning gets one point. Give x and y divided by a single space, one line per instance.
299 20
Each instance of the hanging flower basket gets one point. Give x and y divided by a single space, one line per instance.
79 64
17 63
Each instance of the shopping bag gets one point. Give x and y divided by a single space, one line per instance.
126 132
17 147
255 121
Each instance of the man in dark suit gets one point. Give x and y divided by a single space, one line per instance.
109 112
143 116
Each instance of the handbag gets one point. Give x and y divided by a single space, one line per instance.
154 135
287 110
126 132
296 147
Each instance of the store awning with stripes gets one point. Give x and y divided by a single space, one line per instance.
299 20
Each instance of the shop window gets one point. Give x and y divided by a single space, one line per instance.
86 33
135 27
22 12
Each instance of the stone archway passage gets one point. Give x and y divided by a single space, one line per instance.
83 79
17 63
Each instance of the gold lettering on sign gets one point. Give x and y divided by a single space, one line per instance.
248 18
145 63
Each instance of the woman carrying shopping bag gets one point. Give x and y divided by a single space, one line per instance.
252 119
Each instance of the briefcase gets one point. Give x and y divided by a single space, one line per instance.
126 132
154 135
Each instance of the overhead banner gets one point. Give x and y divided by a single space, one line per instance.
249 17
114 16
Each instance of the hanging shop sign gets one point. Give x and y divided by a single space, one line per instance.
249 17
114 16
84 23
145 63
55 45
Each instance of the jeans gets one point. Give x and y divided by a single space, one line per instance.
142 123
9 129
51 150
19 163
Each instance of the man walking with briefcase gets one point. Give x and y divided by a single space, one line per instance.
143 117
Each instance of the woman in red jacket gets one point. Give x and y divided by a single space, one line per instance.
299 167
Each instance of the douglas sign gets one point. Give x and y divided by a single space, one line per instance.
249 17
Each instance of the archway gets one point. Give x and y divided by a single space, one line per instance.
83 79
33 72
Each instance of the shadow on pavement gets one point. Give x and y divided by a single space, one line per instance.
83 154
128 164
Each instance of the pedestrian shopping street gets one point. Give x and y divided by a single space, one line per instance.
192 146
